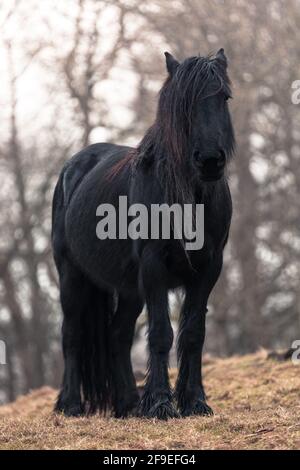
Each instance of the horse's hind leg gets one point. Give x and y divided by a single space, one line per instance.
125 395
74 293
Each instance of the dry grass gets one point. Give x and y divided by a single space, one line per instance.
256 403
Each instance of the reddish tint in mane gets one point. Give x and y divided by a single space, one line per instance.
121 164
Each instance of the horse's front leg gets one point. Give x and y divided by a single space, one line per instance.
189 388
157 399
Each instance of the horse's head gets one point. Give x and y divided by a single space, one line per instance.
199 89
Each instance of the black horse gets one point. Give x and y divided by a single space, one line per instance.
104 283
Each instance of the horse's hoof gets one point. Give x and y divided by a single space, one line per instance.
126 413
201 408
162 409
73 410
127 408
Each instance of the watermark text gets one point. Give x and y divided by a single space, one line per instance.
157 222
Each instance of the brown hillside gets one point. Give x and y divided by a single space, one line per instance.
256 403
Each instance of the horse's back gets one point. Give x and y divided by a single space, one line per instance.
73 173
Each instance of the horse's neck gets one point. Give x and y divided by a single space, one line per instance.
206 193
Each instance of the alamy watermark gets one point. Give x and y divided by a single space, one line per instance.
296 353
2 352
160 221
296 92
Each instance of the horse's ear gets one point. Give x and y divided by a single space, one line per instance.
172 63
221 57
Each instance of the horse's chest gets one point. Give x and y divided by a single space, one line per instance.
183 264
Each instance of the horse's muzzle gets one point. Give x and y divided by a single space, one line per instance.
212 167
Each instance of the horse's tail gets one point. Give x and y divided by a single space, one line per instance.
95 353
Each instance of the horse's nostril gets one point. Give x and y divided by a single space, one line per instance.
221 160
210 161
209 165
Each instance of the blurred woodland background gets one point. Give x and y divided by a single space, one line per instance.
83 71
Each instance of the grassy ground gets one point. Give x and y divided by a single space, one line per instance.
256 403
